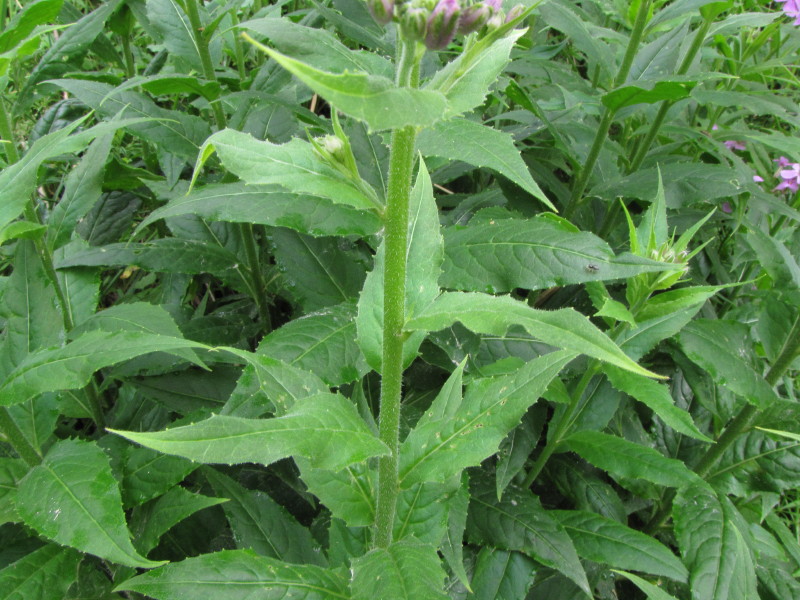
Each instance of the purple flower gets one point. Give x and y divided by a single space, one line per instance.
790 177
791 8
474 17
442 24
734 145
758 179
726 207
782 162
731 144
381 10
514 13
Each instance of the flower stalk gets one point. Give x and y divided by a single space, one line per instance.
401 166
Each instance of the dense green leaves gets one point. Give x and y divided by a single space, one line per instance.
448 440
268 205
551 390
500 255
238 575
720 564
519 522
324 428
607 541
369 98
405 570
73 499
45 574
494 315
71 366
628 459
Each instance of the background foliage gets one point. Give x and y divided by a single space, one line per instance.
597 402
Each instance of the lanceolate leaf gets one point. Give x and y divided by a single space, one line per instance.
24 22
476 144
706 527
71 366
494 315
607 541
318 48
534 254
174 131
323 343
160 515
82 188
73 499
628 459
424 259
466 80
261 524
405 570
716 347
269 205
281 385
519 522
657 397
653 592
45 574
239 575
369 98
349 494
293 166
501 574
438 449
324 428
164 255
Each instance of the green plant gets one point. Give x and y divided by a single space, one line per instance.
368 347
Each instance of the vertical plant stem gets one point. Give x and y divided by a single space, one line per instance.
643 147
205 58
655 126
401 166
245 229
608 114
256 275
741 423
7 134
127 53
561 428
17 439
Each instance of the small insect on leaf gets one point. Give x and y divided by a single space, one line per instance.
592 268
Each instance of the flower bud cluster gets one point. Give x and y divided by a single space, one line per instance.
437 22
666 279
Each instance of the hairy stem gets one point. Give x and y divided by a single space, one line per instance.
401 166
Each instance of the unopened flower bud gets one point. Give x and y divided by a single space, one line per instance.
331 149
381 10
514 13
474 17
414 23
442 24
